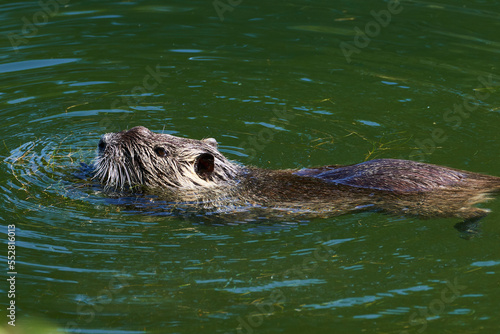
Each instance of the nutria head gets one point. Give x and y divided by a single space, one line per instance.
139 157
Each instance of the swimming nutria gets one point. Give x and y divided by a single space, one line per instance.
195 171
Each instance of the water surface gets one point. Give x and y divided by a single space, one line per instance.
274 84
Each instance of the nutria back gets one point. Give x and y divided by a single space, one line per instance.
140 160
398 175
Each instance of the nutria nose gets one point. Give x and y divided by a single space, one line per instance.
102 144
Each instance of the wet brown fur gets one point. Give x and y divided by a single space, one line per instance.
400 187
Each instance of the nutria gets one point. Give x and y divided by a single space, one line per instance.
195 172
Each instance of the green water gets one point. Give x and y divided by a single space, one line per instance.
280 85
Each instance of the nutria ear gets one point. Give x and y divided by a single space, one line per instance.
210 141
204 165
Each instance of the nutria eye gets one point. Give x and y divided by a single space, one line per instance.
160 151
